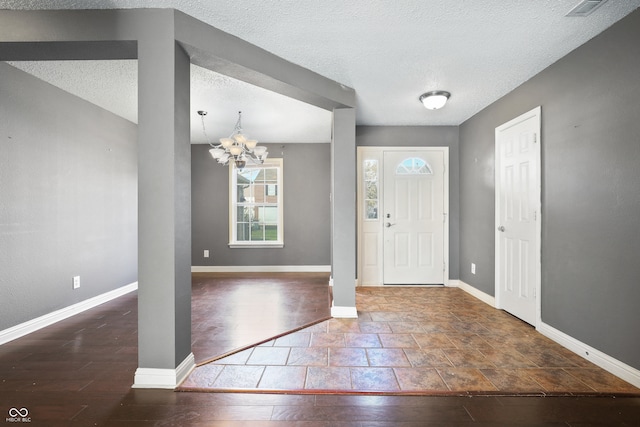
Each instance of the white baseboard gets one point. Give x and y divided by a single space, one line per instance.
164 378
486 298
606 362
33 325
344 312
261 269
598 358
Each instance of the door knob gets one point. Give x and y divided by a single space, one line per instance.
388 225
501 228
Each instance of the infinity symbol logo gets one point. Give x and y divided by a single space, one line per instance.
22 412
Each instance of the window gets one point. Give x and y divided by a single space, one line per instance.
413 166
256 205
371 189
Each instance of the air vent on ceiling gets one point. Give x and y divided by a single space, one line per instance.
585 8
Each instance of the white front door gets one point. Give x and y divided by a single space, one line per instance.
413 217
518 216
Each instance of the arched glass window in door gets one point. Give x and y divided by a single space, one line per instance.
413 166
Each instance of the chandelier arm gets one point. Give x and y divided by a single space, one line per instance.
237 147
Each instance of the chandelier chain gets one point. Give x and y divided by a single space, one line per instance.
204 131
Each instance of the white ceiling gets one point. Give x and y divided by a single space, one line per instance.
389 51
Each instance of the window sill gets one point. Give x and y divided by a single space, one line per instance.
238 245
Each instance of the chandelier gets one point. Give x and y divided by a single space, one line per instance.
237 147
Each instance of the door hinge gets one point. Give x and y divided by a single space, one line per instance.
535 215
444 266
444 217
535 138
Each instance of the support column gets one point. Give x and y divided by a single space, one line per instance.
164 210
343 213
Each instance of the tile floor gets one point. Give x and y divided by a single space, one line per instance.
411 341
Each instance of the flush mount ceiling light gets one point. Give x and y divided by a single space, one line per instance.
585 8
237 147
435 99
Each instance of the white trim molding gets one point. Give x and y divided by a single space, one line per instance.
484 297
606 362
261 269
164 378
33 325
343 312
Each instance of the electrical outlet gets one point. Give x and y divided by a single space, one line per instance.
206 253
76 282
473 268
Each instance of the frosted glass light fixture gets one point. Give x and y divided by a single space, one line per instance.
237 147
435 99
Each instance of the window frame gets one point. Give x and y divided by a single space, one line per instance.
233 205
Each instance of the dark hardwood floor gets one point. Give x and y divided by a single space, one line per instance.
231 311
79 371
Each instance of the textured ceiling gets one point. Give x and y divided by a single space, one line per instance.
389 51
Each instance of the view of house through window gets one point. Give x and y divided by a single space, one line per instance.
256 205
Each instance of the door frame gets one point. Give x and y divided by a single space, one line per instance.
374 228
536 113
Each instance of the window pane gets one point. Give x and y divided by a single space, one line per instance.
268 214
271 192
372 209
271 174
370 170
372 190
413 166
257 232
240 193
243 231
247 176
242 214
271 232
271 189
258 192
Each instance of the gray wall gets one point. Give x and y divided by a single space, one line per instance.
590 190
68 198
425 136
307 231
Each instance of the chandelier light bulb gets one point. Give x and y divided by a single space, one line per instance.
226 142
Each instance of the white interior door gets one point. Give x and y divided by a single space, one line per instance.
413 217
518 216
